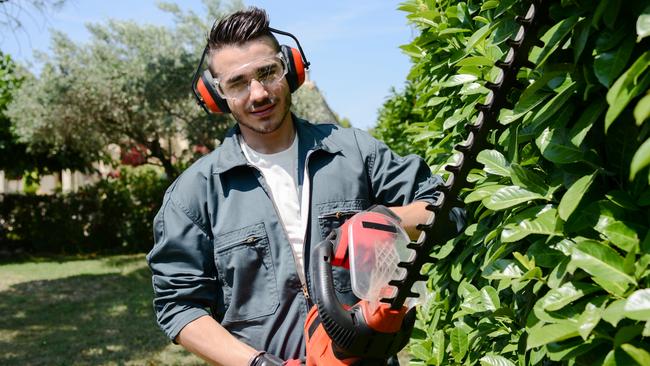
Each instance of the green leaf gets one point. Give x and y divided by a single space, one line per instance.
626 88
434 101
641 356
552 40
615 312
642 110
617 357
603 264
475 61
490 298
459 343
525 104
562 97
502 269
586 121
453 31
439 346
544 255
495 360
641 159
579 38
637 306
419 351
482 192
588 320
413 50
510 196
494 162
452 121
536 220
408 7
608 40
570 350
573 195
609 65
527 178
627 333
611 13
478 36
472 89
490 4
459 79
620 235
643 25
539 336
557 298
556 147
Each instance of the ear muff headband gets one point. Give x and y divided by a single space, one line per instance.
208 98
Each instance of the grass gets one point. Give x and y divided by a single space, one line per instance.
82 312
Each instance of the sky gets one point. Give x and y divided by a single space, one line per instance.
353 46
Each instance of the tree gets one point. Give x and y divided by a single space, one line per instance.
15 157
129 86
12 10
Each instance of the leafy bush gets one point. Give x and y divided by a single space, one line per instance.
554 264
111 216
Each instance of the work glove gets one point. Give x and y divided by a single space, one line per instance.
266 359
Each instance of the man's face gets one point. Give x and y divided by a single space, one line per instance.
258 102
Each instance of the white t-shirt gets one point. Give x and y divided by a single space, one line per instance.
280 171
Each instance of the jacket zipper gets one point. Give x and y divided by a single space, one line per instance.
306 184
286 233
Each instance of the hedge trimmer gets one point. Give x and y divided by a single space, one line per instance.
371 331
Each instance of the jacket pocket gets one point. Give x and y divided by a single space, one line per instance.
331 216
246 272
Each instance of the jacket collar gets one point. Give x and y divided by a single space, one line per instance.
310 138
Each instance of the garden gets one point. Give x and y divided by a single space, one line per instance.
552 268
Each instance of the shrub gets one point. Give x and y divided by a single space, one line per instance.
112 216
554 266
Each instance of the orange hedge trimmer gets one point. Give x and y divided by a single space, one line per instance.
370 332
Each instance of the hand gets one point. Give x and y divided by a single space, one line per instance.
265 359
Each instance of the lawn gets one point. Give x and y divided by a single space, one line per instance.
82 312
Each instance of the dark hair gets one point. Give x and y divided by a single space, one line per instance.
239 28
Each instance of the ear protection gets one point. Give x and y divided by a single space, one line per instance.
206 94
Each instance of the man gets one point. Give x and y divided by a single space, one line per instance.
234 232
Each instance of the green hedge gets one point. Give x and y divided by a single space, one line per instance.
554 266
111 216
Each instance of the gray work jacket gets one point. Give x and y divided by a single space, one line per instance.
220 247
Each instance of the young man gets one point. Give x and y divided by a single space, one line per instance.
233 235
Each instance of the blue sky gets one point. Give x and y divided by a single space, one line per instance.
353 46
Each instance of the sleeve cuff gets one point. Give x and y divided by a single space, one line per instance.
182 320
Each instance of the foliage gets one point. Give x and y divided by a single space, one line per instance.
12 10
553 267
129 86
112 216
308 102
15 157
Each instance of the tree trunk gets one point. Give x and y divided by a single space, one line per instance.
158 152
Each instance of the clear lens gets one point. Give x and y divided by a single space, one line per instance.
236 84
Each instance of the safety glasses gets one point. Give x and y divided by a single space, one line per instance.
236 83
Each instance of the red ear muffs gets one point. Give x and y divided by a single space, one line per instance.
209 95
296 68
208 98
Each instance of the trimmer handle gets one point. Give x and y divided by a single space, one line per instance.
354 331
